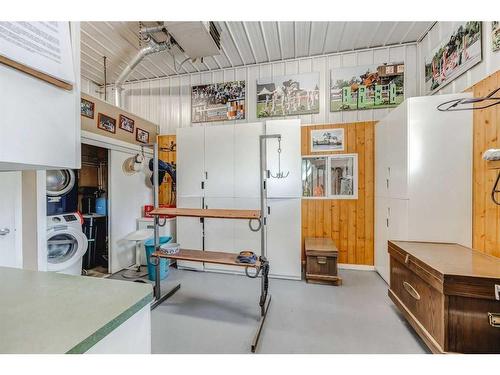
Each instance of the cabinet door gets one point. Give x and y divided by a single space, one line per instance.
283 238
219 161
219 233
289 158
381 237
10 220
190 161
398 219
247 160
189 231
381 159
397 152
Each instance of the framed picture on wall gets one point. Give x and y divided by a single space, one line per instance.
314 176
458 52
218 102
87 108
367 87
290 95
495 36
327 140
142 135
126 123
343 176
106 123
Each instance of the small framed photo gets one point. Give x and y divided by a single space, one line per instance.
126 123
106 123
327 140
343 176
87 108
142 135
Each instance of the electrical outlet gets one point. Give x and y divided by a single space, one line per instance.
497 292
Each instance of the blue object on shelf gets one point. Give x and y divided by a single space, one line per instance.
164 263
100 206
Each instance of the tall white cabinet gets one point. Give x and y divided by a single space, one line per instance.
423 176
219 167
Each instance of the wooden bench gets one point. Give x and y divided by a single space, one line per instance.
321 261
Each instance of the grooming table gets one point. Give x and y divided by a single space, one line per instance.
216 257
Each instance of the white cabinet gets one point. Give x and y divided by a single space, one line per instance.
219 161
246 159
190 161
283 237
10 220
189 231
289 160
423 176
40 123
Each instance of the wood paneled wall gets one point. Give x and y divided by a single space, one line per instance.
349 222
165 141
486 214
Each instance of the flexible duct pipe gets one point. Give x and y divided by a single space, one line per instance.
152 47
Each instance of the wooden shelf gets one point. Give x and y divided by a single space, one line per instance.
493 164
214 257
208 213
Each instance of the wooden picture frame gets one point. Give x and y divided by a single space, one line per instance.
106 123
89 110
140 134
126 123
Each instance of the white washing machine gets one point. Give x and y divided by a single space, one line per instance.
66 244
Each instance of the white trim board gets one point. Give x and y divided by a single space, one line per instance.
109 143
357 267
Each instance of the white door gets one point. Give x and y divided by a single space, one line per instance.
126 197
10 219
289 160
190 161
381 237
189 231
247 159
283 238
219 161
219 233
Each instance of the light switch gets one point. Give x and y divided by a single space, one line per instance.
497 292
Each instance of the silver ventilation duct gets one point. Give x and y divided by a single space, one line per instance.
151 47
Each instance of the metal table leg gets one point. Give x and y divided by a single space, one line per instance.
264 301
159 299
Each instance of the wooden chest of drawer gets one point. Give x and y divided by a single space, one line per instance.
321 261
447 294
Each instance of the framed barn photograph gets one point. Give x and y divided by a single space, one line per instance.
106 123
291 95
367 87
142 135
218 102
126 123
457 53
327 140
87 108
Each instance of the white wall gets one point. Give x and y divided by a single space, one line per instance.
167 101
441 31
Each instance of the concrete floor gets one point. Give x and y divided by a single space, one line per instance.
218 313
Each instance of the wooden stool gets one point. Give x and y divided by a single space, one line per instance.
321 264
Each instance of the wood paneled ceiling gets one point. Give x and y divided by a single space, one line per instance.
243 43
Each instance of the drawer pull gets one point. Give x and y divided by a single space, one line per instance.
411 290
494 319
321 260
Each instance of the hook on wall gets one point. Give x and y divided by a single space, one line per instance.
280 173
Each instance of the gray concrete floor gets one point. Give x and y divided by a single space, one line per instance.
218 313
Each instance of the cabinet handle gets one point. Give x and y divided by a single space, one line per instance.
387 182
387 222
202 185
494 319
206 175
321 260
411 290
269 210
4 231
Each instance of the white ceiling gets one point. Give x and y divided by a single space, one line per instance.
243 43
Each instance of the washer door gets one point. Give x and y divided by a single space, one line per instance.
65 247
60 181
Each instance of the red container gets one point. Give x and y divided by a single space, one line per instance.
147 209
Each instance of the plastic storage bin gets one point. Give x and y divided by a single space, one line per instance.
164 263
